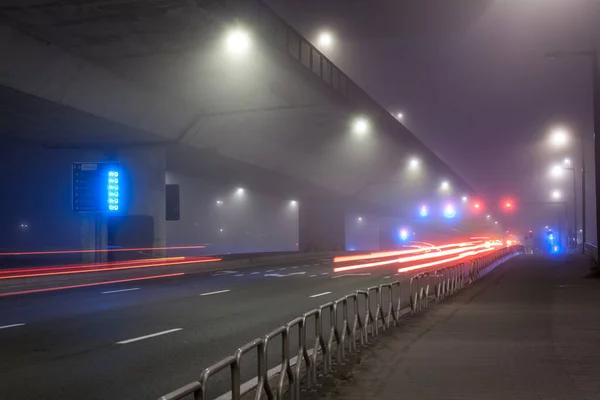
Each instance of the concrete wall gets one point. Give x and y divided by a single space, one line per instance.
231 222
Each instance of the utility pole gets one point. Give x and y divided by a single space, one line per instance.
596 110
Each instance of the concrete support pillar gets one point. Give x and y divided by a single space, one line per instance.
322 223
141 221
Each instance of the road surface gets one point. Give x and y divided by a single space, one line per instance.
140 340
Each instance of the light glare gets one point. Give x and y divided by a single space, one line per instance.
325 39
559 137
238 41
556 171
556 194
361 126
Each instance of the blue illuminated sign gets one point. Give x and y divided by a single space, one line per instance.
112 186
97 187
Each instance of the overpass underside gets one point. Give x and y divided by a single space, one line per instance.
155 86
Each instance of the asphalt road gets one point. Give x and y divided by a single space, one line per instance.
97 343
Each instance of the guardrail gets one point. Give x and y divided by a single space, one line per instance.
353 319
591 250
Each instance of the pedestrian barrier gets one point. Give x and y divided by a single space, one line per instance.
353 320
591 251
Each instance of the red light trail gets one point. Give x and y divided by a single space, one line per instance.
37 253
118 268
458 250
89 284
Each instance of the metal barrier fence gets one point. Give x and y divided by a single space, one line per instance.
350 325
591 250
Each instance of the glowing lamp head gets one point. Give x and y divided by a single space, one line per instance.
556 171
325 39
464 199
445 186
559 137
361 126
404 234
424 211
449 211
238 41
414 163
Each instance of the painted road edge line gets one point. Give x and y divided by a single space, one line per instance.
320 294
121 290
149 336
217 292
11 326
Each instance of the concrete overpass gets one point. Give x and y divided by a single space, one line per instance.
153 86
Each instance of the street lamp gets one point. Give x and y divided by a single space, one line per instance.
559 137
238 41
325 39
360 126
592 55
414 163
400 116
556 194
445 186
556 171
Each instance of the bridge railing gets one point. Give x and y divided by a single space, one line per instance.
328 334
591 250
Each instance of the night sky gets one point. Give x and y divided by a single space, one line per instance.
471 78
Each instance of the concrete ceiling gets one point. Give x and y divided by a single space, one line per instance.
158 71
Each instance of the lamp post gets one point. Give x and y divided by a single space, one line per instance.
557 171
593 55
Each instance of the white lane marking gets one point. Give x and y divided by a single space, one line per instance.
320 294
306 265
282 269
316 264
149 336
217 292
341 276
122 290
284 275
219 273
386 277
247 386
324 273
270 270
11 326
312 276
295 267
240 275
255 273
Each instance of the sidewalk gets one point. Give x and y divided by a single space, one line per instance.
528 330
